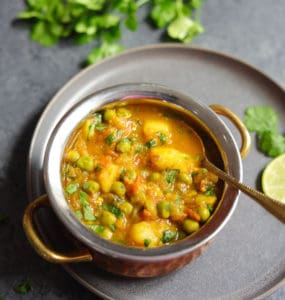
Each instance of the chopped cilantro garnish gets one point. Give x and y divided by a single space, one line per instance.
168 236
210 208
123 174
99 167
151 143
113 137
101 127
162 137
97 228
71 188
171 175
78 214
116 211
210 192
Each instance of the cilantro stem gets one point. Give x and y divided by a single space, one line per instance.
142 2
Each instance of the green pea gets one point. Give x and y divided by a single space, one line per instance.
91 186
107 218
155 176
204 213
123 112
109 114
186 178
118 188
163 209
190 226
124 146
72 155
86 162
126 207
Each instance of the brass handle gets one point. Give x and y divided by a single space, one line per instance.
245 136
44 251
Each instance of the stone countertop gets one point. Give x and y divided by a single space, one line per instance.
252 30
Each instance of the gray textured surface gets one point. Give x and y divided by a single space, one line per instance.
29 75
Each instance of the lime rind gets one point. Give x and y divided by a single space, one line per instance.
273 179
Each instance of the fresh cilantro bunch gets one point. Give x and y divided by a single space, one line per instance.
102 20
264 121
174 15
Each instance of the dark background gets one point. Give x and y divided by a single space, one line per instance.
252 30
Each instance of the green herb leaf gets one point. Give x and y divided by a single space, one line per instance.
106 50
88 212
210 192
71 188
162 137
272 143
184 29
97 228
116 211
23 287
151 143
90 4
171 175
78 214
261 119
113 137
168 236
43 34
210 208
83 197
101 20
163 12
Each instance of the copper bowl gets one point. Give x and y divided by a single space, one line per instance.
221 149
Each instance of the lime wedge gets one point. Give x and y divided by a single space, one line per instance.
273 179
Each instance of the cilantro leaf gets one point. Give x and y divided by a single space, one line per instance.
163 12
23 287
171 175
43 33
168 236
106 50
71 188
184 29
90 4
101 21
272 143
151 143
88 212
261 118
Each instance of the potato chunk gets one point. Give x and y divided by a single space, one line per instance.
142 232
152 127
108 176
168 158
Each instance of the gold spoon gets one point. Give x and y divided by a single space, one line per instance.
272 205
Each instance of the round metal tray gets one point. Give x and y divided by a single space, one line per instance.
247 259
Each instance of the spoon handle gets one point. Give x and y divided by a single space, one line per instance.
275 207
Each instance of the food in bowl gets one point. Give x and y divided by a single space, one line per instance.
133 175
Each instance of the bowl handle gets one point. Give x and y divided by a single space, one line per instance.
245 136
44 251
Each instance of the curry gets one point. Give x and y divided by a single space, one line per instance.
133 175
